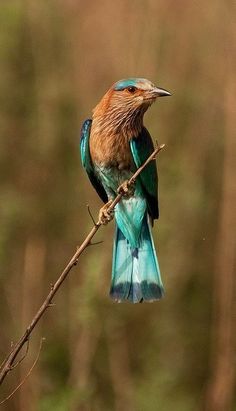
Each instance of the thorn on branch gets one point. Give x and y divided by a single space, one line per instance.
51 304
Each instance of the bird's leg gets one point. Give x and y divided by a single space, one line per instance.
104 216
127 189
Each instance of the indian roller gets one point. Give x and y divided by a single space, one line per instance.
114 143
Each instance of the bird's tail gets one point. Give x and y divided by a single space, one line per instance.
135 271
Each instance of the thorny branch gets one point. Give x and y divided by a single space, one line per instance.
8 363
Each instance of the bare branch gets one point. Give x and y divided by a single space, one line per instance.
17 347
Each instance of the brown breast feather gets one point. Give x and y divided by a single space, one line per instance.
110 149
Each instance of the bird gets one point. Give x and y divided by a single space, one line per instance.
113 144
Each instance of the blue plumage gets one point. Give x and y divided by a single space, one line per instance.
130 82
87 161
135 270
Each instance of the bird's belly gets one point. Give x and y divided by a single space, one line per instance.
112 159
112 177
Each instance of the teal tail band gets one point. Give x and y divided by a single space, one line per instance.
135 271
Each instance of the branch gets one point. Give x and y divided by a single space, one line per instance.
8 363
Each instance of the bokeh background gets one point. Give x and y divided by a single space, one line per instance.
57 58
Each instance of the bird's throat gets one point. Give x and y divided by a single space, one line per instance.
120 123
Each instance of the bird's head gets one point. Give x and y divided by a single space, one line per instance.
137 92
125 103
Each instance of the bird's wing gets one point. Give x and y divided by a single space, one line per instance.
141 148
87 162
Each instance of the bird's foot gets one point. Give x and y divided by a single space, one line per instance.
126 189
104 216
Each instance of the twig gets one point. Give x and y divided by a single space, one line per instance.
91 216
23 356
28 373
10 358
96 242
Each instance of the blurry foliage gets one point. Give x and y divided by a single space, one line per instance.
56 61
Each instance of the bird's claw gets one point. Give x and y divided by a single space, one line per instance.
126 189
104 215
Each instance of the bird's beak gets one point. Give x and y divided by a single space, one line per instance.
160 92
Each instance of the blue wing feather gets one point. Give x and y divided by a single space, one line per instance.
141 148
87 161
84 145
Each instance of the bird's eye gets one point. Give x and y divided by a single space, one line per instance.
131 89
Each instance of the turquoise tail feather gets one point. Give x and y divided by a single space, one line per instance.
135 271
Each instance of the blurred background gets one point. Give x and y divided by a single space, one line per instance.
57 59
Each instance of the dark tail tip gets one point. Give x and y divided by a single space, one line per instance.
136 292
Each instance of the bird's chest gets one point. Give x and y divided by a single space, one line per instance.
111 151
